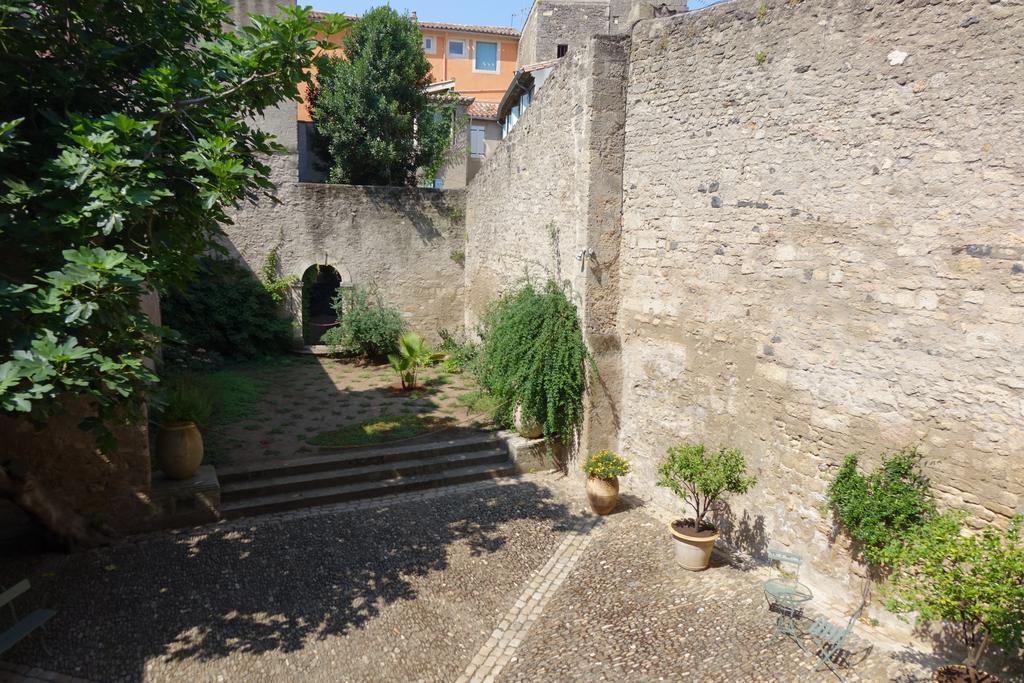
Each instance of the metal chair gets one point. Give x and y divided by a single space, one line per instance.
828 639
21 628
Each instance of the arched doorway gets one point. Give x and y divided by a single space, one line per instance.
320 283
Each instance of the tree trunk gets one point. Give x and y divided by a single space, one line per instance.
70 528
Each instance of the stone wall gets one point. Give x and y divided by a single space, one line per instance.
555 22
409 242
821 248
552 192
823 252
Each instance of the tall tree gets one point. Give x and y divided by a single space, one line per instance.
124 135
371 108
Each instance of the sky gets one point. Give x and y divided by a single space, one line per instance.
480 12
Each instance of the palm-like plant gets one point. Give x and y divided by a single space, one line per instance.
412 355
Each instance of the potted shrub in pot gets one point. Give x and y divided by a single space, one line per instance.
179 444
972 582
603 470
700 478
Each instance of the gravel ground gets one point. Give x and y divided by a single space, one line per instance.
508 579
405 593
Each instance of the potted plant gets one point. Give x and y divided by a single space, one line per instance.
973 582
603 471
412 355
179 445
700 478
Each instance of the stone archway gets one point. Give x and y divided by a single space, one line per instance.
320 284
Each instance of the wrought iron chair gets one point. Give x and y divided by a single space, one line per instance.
21 628
784 593
828 639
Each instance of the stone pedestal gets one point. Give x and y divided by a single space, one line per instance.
186 503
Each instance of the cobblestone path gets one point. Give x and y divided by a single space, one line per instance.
507 581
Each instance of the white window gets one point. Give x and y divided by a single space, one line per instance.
428 45
456 48
477 143
485 57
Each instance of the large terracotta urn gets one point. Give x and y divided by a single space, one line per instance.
603 494
527 427
179 450
693 548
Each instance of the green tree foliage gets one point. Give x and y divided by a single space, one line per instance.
700 477
972 581
276 285
371 109
366 325
123 137
534 356
880 508
225 309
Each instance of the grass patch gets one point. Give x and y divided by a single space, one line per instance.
380 430
478 402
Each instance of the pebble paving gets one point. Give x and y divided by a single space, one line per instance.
507 581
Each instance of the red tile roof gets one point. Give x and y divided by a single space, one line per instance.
444 26
483 110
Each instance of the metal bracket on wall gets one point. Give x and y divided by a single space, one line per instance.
583 255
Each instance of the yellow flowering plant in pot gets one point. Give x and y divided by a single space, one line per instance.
603 470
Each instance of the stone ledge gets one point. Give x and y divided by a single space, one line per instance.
531 455
186 503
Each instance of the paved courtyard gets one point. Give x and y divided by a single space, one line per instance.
507 581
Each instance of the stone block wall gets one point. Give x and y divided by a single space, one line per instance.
565 22
408 242
823 252
547 205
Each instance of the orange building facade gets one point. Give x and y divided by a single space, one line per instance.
480 59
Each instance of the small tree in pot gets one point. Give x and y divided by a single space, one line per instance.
972 582
700 478
603 471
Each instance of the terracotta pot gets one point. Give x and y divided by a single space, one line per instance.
179 450
958 673
693 552
603 494
527 427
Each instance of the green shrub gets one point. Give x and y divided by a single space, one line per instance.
460 355
700 477
227 310
182 399
879 509
276 285
974 582
534 356
605 465
412 355
366 325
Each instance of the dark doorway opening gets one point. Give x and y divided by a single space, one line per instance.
320 284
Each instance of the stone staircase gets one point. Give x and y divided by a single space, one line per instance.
334 477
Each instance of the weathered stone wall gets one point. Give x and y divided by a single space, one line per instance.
406 241
823 252
566 22
553 190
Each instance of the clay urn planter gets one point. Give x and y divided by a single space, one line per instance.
603 494
603 470
960 673
527 427
179 445
693 548
179 449
700 477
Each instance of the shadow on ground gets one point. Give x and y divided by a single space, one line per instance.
276 584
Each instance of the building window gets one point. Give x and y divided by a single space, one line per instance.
477 142
428 45
486 57
561 51
456 48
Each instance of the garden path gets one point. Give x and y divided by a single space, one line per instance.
511 580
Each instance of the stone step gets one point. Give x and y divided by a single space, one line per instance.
279 502
330 461
400 469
